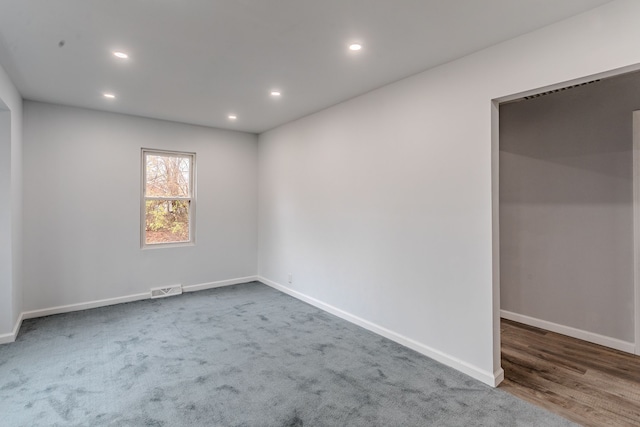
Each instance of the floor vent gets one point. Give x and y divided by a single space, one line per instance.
166 291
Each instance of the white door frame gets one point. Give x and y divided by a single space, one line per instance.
636 226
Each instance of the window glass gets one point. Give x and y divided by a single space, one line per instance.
167 197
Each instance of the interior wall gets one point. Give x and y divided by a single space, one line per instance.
82 206
6 267
11 212
381 207
566 212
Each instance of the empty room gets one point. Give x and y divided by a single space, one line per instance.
284 212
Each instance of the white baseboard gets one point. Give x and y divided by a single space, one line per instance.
614 343
219 284
84 305
11 336
492 379
7 338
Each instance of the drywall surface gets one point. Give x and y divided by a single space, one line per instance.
82 206
566 208
382 206
11 211
6 268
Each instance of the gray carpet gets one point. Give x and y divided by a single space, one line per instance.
244 355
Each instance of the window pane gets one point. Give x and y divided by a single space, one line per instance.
167 176
167 221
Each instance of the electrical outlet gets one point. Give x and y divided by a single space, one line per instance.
290 278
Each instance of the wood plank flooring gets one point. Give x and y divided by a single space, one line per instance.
583 382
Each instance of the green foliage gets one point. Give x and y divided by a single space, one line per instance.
167 221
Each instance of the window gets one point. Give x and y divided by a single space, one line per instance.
168 202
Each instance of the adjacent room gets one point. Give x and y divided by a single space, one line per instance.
567 247
286 213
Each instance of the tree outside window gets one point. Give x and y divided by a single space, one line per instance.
168 204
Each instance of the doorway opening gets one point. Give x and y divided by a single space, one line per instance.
566 232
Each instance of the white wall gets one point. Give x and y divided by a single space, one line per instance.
6 259
382 206
566 214
11 212
82 206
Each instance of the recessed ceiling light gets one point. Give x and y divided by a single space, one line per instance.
232 117
275 93
355 46
120 55
109 95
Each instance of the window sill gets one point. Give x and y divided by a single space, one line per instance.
167 245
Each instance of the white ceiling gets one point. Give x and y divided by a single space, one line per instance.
197 61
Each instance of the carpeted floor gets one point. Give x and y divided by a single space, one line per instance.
245 355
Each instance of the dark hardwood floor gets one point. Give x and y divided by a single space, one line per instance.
583 382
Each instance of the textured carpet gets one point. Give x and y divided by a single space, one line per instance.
244 355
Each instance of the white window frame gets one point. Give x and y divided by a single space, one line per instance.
191 198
